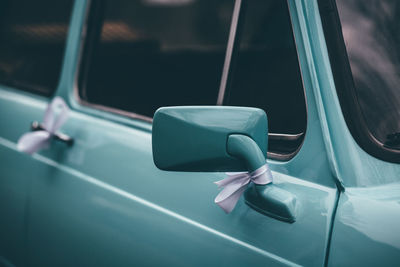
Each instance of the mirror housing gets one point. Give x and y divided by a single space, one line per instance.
209 138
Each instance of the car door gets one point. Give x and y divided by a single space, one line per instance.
103 202
32 45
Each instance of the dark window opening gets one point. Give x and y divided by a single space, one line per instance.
155 53
142 55
266 73
32 43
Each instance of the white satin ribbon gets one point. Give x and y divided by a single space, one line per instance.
236 183
55 116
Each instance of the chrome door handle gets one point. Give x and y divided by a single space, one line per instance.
36 126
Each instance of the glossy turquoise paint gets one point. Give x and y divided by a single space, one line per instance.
209 138
195 139
365 231
272 201
15 180
104 202
120 210
245 149
351 165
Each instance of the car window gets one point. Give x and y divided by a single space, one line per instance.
372 38
266 73
363 48
32 42
141 55
153 53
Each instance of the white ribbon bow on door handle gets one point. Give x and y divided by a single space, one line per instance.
34 141
236 183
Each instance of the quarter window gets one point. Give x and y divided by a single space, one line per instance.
32 42
363 45
141 55
372 38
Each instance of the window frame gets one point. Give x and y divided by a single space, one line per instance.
91 16
345 86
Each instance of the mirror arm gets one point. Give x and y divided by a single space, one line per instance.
270 199
246 149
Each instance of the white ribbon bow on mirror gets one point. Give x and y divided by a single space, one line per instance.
236 183
55 116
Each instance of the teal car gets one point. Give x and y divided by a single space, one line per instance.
299 98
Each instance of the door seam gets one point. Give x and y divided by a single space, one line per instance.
332 222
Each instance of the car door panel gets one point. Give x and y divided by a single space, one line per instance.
367 221
16 173
103 201
14 185
178 217
100 220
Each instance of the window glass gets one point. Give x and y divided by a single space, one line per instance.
32 42
372 38
152 53
266 73
145 54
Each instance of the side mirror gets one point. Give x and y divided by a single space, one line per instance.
220 138
209 138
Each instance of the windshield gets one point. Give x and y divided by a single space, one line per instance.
372 37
